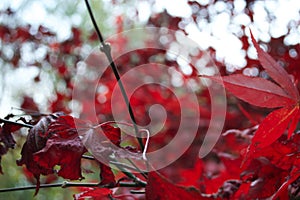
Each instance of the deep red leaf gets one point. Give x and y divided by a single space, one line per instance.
95 194
53 141
159 187
275 71
294 123
265 178
6 139
254 90
112 133
64 152
106 175
282 153
273 126
35 141
28 104
283 190
66 127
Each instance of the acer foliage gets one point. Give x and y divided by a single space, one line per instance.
256 156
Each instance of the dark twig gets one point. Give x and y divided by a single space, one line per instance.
106 49
70 184
130 175
16 123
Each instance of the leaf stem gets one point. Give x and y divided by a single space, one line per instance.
16 123
106 49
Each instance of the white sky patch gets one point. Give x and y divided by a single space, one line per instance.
144 11
178 8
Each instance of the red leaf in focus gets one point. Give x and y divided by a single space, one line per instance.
275 71
254 90
35 141
272 127
67 127
63 151
95 194
159 187
63 148
53 141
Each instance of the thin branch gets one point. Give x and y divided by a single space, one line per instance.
30 187
130 175
16 123
106 49
143 173
71 184
94 22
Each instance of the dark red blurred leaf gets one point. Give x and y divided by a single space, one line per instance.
275 71
254 90
283 190
282 153
112 133
29 104
242 192
95 194
159 187
265 178
6 139
228 189
106 175
190 177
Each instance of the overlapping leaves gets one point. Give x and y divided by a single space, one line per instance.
54 141
270 157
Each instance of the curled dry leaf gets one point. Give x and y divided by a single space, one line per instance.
48 144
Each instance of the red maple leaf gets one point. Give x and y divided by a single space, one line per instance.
280 93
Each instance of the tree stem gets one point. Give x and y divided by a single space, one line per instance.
106 49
